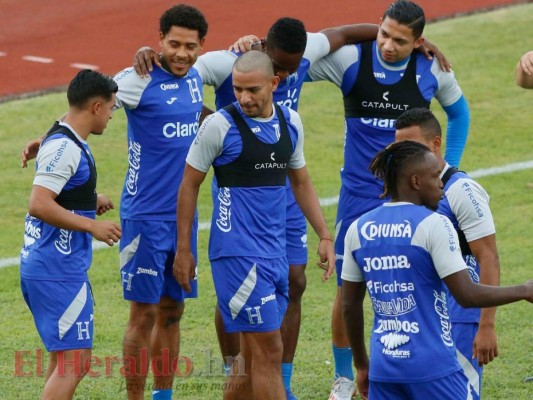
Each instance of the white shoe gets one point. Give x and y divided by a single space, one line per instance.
343 389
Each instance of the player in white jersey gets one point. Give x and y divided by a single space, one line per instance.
466 204
402 253
59 228
252 145
379 80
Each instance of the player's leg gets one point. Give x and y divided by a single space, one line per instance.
165 345
52 362
238 384
70 369
143 243
229 343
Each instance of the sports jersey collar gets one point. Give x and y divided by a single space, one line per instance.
258 119
446 168
397 66
398 203
73 131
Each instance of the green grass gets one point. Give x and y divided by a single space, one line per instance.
484 50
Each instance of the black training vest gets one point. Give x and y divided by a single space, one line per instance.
81 197
260 163
372 99
463 243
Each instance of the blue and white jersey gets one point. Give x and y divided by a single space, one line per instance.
50 253
163 114
402 252
215 68
246 221
466 204
365 137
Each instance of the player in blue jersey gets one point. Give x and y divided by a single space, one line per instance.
163 113
379 80
402 253
524 71
466 204
293 51
59 228
253 145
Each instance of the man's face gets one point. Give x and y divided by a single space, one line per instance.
415 134
104 112
180 48
284 63
395 41
429 183
253 91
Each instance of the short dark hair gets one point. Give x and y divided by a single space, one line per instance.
88 84
423 118
407 13
184 16
287 34
389 163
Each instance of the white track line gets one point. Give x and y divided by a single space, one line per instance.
328 201
42 60
3 54
84 66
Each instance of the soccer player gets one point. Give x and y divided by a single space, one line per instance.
253 146
466 204
402 252
524 71
59 228
292 51
163 113
379 80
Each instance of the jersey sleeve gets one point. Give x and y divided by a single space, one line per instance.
437 236
208 143
333 67
130 88
215 66
470 204
57 161
350 270
317 47
297 159
448 91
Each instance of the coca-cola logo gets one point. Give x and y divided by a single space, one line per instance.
224 210
441 308
62 244
134 160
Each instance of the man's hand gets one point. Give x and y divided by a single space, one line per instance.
103 204
429 50
326 252
247 43
362 383
485 347
184 266
106 231
29 152
143 60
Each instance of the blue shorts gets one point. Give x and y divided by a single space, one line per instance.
63 312
147 250
350 208
252 292
296 232
463 335
296 228
451 387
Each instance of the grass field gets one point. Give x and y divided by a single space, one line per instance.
484 50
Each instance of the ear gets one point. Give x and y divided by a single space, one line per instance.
96 107
437 143
161 38
418 42
415 182
202 41
275 82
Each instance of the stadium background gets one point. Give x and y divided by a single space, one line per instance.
107 33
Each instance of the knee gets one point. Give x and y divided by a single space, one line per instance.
297 284
142 317
170 314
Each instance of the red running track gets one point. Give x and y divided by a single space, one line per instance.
65 35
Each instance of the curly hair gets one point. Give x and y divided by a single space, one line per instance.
184 16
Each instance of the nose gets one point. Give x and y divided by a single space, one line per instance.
387 45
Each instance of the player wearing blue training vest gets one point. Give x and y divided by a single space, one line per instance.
405 256
252 145
379 80
466 204
58 233
163 112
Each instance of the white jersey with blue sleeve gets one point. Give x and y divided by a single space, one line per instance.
163 113
402 252
50 253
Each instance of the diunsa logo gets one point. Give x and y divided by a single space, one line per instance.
370 230
169 86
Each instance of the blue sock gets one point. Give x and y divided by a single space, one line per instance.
286 373
343 362
161 394
227 369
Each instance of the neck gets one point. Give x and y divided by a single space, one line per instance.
78 123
